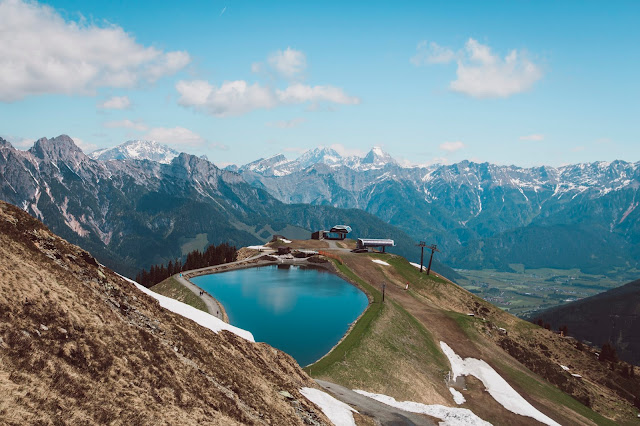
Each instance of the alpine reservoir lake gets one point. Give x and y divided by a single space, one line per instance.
300 310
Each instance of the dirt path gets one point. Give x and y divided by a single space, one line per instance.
385 414
212 304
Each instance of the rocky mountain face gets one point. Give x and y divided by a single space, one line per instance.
137 150
80 345
135 213
482 215
610 317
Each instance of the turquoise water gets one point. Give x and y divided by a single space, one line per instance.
301 311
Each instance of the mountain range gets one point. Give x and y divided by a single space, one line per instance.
481 215
132 213
142 197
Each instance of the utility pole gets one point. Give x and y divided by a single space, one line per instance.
422 245
434 249
383 286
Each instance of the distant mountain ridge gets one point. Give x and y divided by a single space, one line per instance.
482 215
279 165
134 213
137 150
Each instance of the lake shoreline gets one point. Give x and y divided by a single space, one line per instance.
262 261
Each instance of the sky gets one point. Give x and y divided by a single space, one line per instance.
507 82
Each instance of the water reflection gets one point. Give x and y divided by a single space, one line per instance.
303 311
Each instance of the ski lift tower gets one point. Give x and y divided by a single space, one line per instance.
434 249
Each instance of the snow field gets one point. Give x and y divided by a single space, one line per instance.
337 411
380 262
449 416
196 315
497 387
457 396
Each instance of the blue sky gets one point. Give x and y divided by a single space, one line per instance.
508 82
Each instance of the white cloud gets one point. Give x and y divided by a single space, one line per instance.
86 147
286 124
231 98
19 142
288 63
116 102
257 67
299 93
451 146
347 152
485 75
126 124
481 73
42 53
432 53
174 136
578 149
239 97
533 137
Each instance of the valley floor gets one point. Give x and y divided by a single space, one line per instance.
523 292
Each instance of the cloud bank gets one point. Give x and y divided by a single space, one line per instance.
42 53
480 72
238 97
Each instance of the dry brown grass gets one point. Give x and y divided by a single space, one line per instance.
79 345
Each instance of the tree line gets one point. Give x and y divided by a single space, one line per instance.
213 255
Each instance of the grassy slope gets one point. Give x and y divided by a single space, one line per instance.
173 289
386 338
391 338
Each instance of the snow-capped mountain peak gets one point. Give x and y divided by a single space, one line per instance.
137 150
376 158
277 165
323 155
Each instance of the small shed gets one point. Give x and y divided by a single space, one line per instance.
382 244
337 232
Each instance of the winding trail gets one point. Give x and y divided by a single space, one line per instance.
383 413
212 304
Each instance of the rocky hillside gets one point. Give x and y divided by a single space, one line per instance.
134 213
80 345
482 215
610 317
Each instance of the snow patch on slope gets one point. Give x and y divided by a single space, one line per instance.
337 411
497 387
449 416
196 315
457 396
